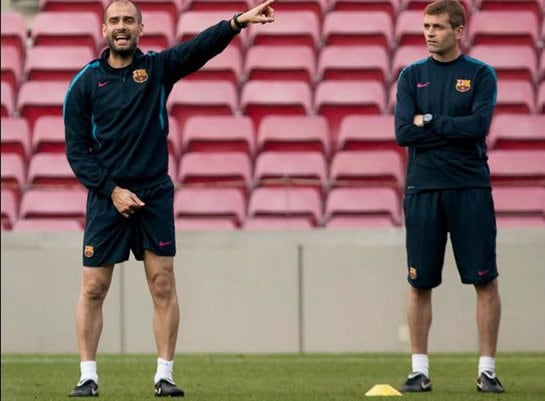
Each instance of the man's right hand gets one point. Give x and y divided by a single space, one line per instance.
125 201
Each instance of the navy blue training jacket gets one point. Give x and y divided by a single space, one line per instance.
450 152
116 121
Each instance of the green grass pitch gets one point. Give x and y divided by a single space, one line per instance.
272 377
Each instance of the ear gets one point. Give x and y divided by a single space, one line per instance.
103 30
460 31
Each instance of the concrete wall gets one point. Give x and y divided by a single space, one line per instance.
312 291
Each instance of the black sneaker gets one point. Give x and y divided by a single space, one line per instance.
86 389
416 382
164 388
488 382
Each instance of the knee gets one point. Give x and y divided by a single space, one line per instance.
95 289
162 286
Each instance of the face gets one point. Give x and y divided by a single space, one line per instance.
121 28
441 38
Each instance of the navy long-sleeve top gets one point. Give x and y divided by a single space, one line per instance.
116 121
449 152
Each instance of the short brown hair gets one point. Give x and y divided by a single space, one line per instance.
455 10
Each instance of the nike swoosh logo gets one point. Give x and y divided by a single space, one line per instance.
425 386
165 243
422 84
103 84
481 273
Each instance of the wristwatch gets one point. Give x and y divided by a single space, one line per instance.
426 119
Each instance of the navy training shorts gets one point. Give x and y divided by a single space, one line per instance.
468 216
109 237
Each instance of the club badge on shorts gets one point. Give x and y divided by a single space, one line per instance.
89 251
140 76
412 273
463 85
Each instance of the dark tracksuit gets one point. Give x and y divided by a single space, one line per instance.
116 127
447 187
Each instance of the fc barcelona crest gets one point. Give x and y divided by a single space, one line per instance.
89 251
463 85
140 76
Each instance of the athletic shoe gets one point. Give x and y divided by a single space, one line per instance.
86 389
416 382
164 388
488 382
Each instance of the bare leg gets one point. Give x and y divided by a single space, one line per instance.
419 316
166 311
95 283
488 317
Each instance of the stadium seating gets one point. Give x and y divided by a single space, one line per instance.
14 32
515 96
517 131
540 102
362 207
289 62
342 62
219 133
226 66
357 28
9 209
173 7
8 99
48 135
216 169
95 6
318 7
391 7
202 97
503 27
369 168
227 6
64 28
284 207
291 169
534 6
368 132
14 169
408 29
519 206
208 208
337 99
56 63
294 133
421 4
16 137
517 167
262 97
405 55
12 67
39 98
159 30
509 61
51 170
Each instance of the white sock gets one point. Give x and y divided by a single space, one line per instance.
487 363
88 371
164 370
420 363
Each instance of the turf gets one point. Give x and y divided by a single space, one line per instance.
278 377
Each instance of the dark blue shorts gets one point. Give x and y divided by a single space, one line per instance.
109 237
467 216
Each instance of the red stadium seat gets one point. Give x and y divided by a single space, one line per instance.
519 206
515 96
291 169
51 170
349 28
64 28
8 99
318 7
39 98
159 30
517 131
421 4
534 6
408 29
14 32
229 6
209 208
541 64
12 67
13 173
338 99
219 133
48 135
190 98
362 207
174 138
503 27
226 66
10 210
291 63
369 132
509 61
540 102
216 169
54 203
391 7
260 98
95 6
405 55
294 133
173 7
517 167
369 168
284 207
16 137
340 62
191 23
56 63
289 28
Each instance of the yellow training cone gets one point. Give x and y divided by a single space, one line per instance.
384 390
